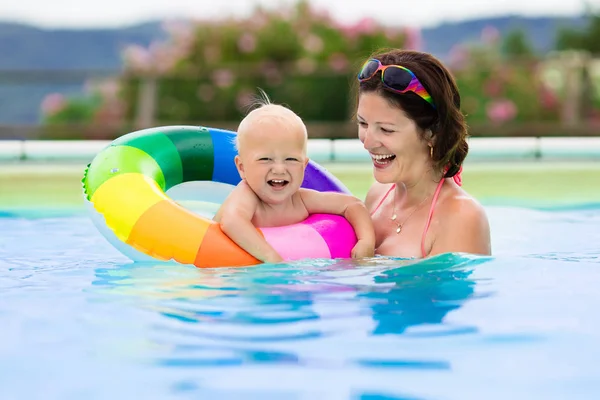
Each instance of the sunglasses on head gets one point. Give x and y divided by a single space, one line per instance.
395 78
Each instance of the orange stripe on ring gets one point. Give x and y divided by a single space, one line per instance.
217 250
168 231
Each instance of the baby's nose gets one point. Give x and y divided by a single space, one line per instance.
278 168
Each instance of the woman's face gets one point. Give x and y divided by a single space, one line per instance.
397 149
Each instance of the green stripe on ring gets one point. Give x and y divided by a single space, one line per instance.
117 160
155 142
196 151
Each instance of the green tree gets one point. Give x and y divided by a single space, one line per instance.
581 39
516 44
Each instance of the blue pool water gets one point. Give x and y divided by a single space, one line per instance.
79 321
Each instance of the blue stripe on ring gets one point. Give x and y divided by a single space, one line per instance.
224 169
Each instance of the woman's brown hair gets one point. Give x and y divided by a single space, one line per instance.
446 121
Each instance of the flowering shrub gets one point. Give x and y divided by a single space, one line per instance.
210 70
498 88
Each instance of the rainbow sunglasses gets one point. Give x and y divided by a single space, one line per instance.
395 78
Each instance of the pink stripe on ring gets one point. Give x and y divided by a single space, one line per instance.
336 231
298 241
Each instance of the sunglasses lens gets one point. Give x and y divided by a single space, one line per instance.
397 78
368 70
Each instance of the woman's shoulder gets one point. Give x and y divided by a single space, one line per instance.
462 219
460 205
375 193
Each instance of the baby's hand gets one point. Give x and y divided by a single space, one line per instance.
274 259
363 249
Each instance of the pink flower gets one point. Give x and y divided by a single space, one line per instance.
313 44
414 40
223 78
364 26
306 65
137 57
247 43
259 20
548 98
323 15
53 103
459 57
162 57
108 89
490 34
179 30
338 62
499 111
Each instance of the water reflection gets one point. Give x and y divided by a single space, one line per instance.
398 294
262 314
422 293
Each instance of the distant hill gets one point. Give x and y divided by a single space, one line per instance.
26 47
541 31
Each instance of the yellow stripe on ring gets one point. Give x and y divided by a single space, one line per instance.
123 199
168 231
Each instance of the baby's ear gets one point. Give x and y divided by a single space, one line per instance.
239 166
306 160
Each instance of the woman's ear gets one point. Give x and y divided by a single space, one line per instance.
429 137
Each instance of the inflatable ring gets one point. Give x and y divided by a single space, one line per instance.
126 188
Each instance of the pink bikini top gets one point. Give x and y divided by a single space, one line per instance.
457 178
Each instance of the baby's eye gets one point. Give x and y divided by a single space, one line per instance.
264 159
291 159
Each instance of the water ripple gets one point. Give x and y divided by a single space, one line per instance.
378 328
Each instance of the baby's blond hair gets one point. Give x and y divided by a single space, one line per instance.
264 109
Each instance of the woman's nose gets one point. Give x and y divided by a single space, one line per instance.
368 139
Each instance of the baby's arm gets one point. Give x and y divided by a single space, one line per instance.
235 217
352 209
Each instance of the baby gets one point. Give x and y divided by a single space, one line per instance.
271 142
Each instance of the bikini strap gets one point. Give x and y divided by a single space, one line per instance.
383 198
458 179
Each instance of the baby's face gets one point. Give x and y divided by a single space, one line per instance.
272 159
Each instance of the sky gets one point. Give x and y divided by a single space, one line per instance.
417 13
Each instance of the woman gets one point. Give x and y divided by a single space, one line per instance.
409 120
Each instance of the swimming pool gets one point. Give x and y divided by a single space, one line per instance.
80 321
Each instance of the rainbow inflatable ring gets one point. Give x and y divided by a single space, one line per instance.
152 194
